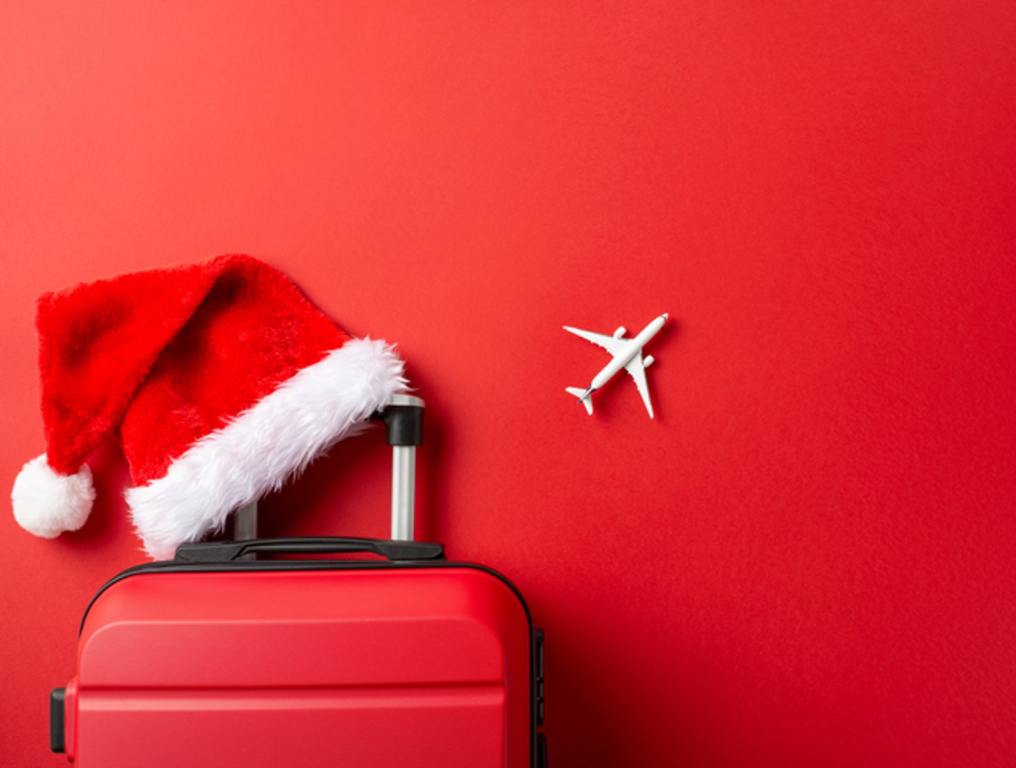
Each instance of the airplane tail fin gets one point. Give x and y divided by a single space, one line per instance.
584 397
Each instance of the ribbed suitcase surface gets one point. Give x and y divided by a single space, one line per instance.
279 663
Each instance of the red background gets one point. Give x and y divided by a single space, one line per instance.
808 558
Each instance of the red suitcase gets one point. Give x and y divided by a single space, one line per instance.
219 659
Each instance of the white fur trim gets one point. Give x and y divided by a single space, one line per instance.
47 503
259 449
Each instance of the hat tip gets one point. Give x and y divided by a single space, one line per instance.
47 503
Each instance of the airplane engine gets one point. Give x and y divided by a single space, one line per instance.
646 362
620 332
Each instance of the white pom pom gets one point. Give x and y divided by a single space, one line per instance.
47 503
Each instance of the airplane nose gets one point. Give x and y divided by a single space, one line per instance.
665 315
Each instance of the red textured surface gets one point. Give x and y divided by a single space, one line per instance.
807 560
167 356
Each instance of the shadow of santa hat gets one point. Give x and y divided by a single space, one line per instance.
222 378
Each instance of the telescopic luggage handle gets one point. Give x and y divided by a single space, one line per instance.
403 420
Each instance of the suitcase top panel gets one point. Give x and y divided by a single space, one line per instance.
358 625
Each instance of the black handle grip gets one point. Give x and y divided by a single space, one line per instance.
403 421
226 551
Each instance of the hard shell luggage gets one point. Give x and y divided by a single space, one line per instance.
223 658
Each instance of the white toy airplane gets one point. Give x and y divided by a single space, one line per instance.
627 354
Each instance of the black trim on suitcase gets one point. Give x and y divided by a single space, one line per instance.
56 720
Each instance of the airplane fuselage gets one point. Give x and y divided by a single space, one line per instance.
630 350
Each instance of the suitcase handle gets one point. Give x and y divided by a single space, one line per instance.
403 420
226 551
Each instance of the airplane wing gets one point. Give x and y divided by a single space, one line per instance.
609 343
638 373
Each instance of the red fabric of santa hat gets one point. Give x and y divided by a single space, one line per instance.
222 378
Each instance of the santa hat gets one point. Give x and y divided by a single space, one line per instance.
222 378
